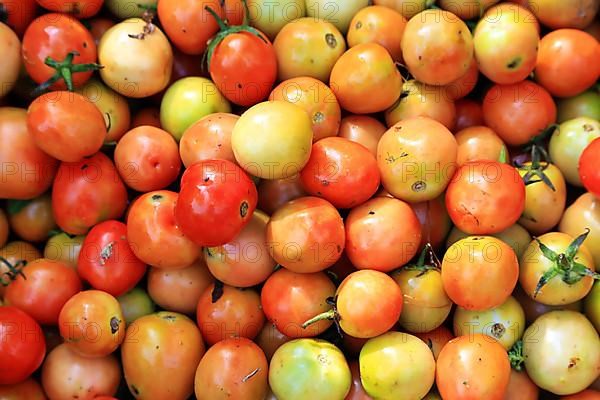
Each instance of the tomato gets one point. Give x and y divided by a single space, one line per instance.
473 367
338 12
188 24
568 142
325 373
506 43
11 51
242 371
590 306
357 391
518 112
466 9
29 389
468 113
485 197
436 339
234 11
86 193
68 46
533 309
445 50
98 26
66 374
362 129
79 9
189 100
42 288
586 104
66 125
112 105
225 311
124 9
383 362
308 48
463 85
158 348
517 237
289 299
557 14
273 193
16 254
477 143
208 138
378 24
562 352
363 69
4 229
306 235
435 221
146 116
135 304
26 171
317 100
420 100
272 140
271 17
18 14
521 387
565 64
471 262
557 269
408 8
417 159
22 345
220 181
137 58
31 220
584 213
64 248
270 339
588 167
584 395
92 323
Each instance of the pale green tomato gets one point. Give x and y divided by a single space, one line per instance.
515 236
338 12
505 323
124 9
586 104
309 369
396 366
188 100
568 142
270 16
134 304
591 306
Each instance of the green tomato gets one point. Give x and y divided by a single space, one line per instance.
270 16
506 323
586 104
396 366
135 303
187 101
591 305
309 369
517 237
124 9
338 12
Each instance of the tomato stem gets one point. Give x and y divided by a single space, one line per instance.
535 170
13 271
327 315
433 263
515 356
65 70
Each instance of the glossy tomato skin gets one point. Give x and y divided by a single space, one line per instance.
19 14
217 199
468 113
34 222
27 171
151 225
436 339
106 260
341 171
55 35
435 221
473 367
584 213
485 197
80 9
521 387
65 248
589 167
207 139
13 253
357 391
44 290
270 339
23 346
86 193
362 129
11 47
557 14
273 193
162 347
28 389
478 143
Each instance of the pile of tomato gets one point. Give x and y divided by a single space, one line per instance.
299 199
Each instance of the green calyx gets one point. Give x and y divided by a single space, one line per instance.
515 356
564 264
535 170
426 262
65 70
327 315
13 272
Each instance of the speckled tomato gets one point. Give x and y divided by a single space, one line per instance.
479 143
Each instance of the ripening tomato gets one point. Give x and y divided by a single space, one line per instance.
64 248
160 348
567 62
306 235
98 26
584 395
80 9
146 116
270 17
29 389
135 304
338 12
485 197
584 213
66 125
68 375
18 14
463 85
586 104
521 387
417 159
589 167
477 143
270 339
124 9
357 391
92 323
16 254
408 8
273 193
468 113
518 112
22 345
465 9
362 70
534 309
436 339
471 262
217 199
11 60
506 43
234 11
317 99
208 138
362 129
445 47
435 221
517 237
86 193
308 47
27 172
557 14
473 366
31 220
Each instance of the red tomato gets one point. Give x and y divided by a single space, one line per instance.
43 289
146 116
436 339
217 199
589 167
341 171
468 113
362 129
435 221
79 9
98 26
18 14
29 389
22 345
106 260
86 193
485 197
273 193
270 339
357 391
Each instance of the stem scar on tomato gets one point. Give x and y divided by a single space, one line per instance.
114 325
